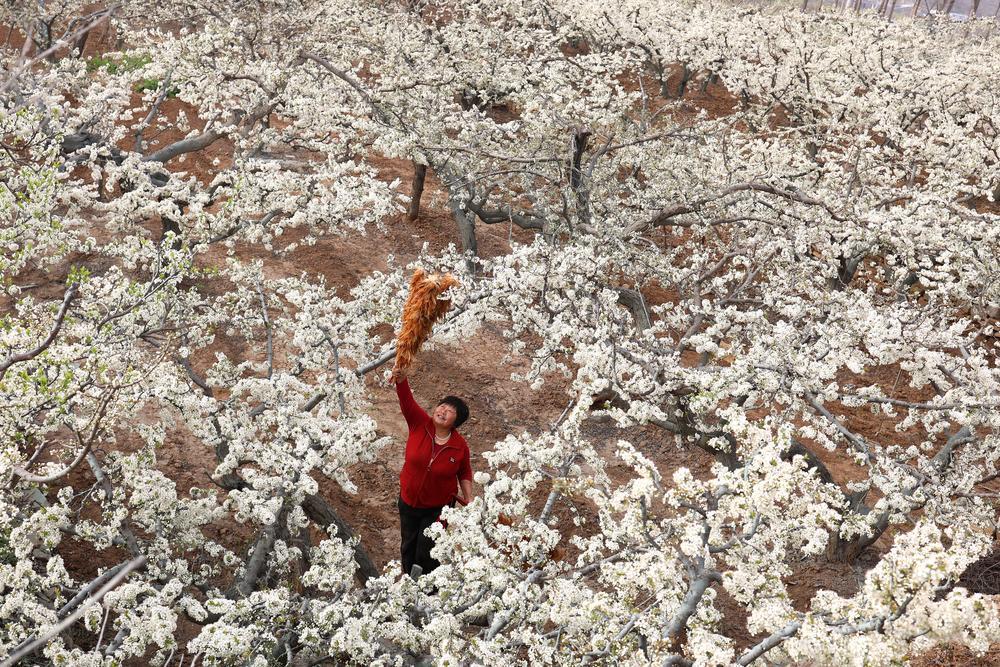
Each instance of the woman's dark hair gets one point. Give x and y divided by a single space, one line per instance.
461 409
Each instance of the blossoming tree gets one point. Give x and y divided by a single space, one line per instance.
732 282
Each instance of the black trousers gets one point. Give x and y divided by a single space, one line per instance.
414 546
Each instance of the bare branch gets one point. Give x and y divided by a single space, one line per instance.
86 590
667 216
185 363
506 214
856 440
208 137
770 642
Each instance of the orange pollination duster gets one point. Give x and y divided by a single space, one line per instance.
421 311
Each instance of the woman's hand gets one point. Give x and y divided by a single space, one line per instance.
397 375
464 494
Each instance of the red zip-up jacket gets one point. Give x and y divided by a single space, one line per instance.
429 478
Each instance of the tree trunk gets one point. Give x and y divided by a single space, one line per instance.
416 191
466 222
663 77
845 273
581 138
632 299
81 43
171 225
686 75
708 81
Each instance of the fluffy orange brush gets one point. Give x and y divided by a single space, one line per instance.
422 309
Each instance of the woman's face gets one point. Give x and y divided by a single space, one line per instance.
444 416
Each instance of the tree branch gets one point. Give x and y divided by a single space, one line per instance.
130 540
34 644
31 354
207 138
678 624
137 145
770 642
258 557
95 424
506 214
26 64
666 216
320 511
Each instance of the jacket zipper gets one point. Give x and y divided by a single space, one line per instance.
423 480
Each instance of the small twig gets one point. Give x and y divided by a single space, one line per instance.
104 625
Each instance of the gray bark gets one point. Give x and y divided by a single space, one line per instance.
467 232
417 191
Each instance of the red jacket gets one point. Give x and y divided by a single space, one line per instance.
429 480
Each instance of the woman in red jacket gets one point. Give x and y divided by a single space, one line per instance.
436 471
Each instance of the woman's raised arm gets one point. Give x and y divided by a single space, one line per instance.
413 414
